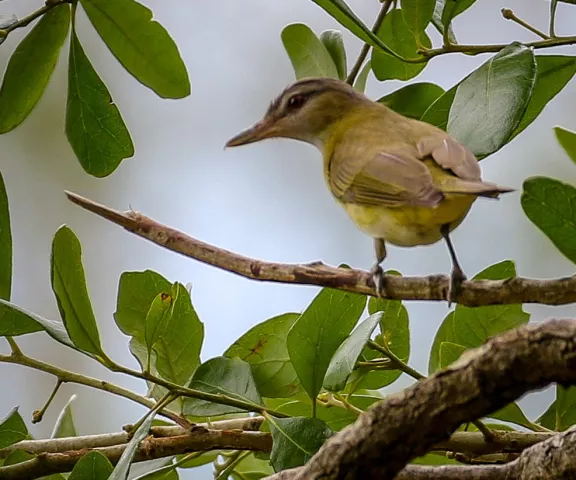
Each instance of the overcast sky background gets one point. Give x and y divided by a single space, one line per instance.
266 200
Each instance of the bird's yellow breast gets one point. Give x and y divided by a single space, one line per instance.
410 226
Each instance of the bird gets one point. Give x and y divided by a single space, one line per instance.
402 181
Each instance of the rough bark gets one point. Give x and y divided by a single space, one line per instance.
384 439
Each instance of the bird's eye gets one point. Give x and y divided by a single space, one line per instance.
296 101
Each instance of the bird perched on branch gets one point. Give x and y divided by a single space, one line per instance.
401 180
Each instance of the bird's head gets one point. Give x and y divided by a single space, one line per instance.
306 111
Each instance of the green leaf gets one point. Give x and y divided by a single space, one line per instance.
548 418
553 72
140 352
449 353
227 376
413 100
490 102
308 55
437 113
561 414
206 457
94 126
395 335
471 326
5 245
178 347
453 8
549 204
567 139
158 318
434 459
12 429
395 33
17 321
334 43
31 66
362 78
437 21
336 418
136 292
318 333
341 12
418 14
65 423
512 413
17 456
166 472
69 286
295 440
345 358
140 44
122 468
92 466
252 468
264 348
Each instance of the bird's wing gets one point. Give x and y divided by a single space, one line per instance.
450 155
393 178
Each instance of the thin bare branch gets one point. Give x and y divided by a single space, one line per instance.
434 287
198 439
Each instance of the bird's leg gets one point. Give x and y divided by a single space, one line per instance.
457 276
377 272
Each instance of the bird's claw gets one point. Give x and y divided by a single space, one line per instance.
455 285
378 279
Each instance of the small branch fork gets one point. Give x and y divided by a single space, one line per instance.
474 293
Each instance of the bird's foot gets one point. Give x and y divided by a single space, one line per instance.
455 285
378 279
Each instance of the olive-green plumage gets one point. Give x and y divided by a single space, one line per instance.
401 180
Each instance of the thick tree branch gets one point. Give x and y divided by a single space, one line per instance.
409 423
198 439
474 292
548 460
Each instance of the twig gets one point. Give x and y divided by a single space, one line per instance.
547 460
66 376
37 415
198 439
483 380
404 367
474 292
366 47
56 445
181 391
25 21
509 15
428 53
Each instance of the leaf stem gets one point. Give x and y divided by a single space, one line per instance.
366 47
231 463
25 21
508 14
38 414
478 49
353 408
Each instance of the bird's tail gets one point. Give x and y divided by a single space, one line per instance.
467 187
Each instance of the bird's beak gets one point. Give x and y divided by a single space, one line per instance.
259 131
